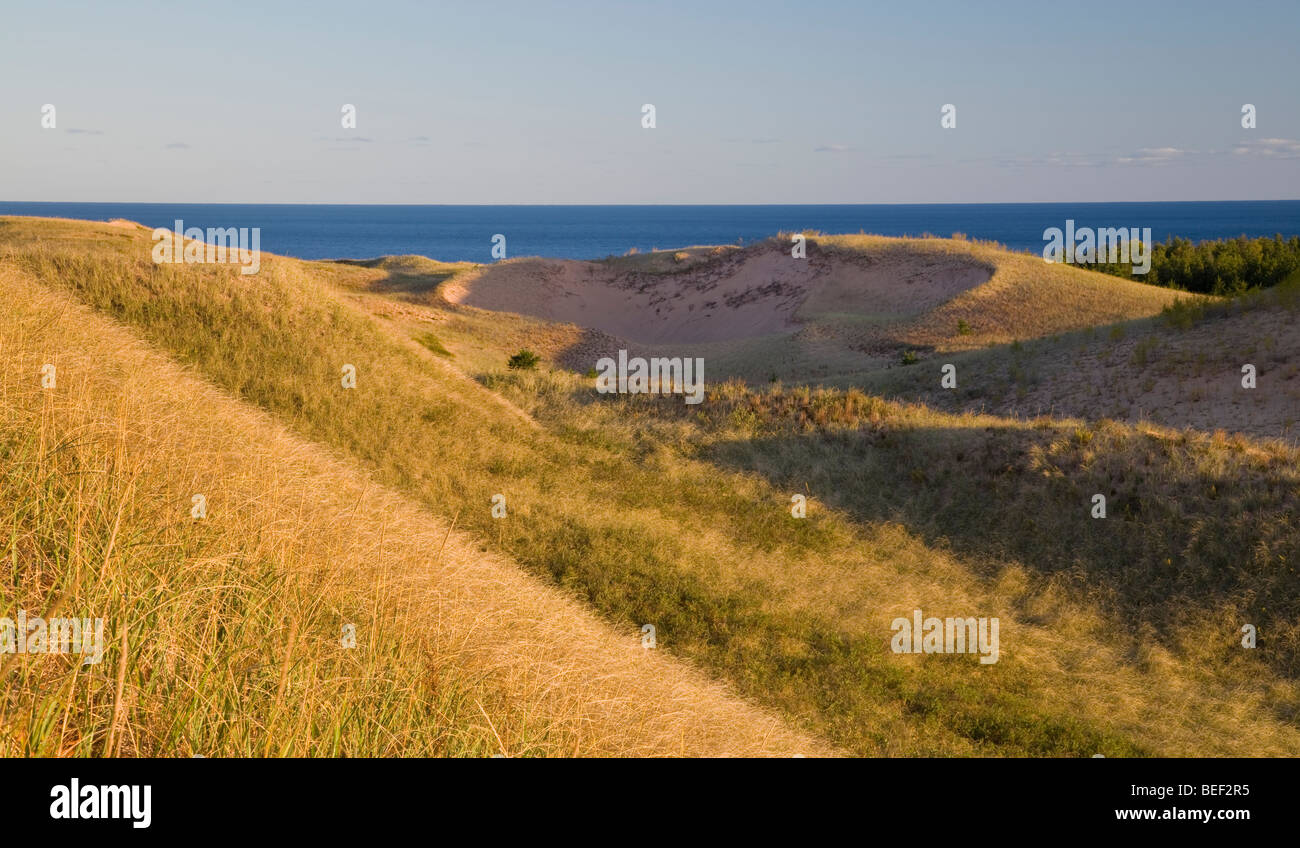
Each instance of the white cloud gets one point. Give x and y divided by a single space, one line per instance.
1152 156
1273 148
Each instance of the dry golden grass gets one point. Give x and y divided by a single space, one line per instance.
651 515
232 623
1134 621
1024 298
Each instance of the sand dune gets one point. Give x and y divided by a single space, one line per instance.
719 294
741 295
852 306
647 512
541 665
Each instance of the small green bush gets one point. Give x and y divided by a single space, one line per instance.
524 360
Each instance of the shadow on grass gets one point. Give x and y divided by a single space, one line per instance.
1191 529
414 280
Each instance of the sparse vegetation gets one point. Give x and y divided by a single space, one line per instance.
1143 349
1183 313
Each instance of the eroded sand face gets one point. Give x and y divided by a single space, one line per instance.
892 285
732 299
746 293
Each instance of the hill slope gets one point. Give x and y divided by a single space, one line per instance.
225 634
1183 370
1120 636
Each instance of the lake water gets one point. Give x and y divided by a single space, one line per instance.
311 231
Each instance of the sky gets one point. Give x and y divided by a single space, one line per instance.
755 102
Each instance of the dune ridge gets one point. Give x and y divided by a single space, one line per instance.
532 670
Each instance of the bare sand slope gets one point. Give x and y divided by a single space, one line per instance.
890 284
720 294
736 296
1188 378
1183 377
853 305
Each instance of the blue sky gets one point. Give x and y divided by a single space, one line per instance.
755 102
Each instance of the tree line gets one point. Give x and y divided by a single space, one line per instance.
1222 267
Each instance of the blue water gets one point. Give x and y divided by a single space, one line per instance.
588 232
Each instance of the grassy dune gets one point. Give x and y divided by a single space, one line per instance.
863 302
1118 636
1024 297
1179 369
224 635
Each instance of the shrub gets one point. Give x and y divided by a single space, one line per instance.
524 360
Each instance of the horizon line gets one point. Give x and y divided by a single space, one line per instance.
581 204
